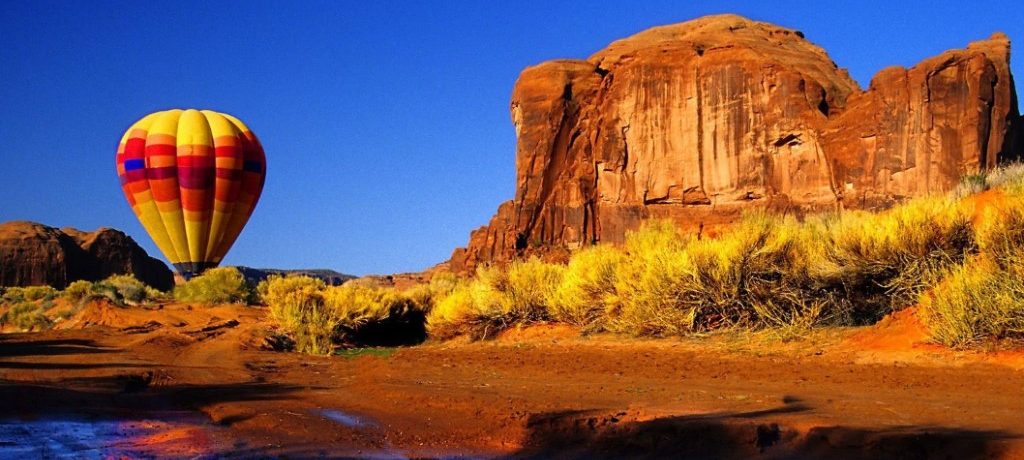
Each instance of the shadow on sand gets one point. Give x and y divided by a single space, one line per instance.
77 413
728 435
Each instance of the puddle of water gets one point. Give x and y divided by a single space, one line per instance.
357 422
349 420
80 437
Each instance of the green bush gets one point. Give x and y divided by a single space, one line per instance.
129 290
79 291
29 294
216 286
26 316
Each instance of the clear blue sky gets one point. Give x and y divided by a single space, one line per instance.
386 125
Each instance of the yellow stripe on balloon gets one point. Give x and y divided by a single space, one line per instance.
195 140
161 132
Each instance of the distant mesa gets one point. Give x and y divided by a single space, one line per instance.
35 254
699 121
331 277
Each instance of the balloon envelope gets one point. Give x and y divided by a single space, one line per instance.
193 179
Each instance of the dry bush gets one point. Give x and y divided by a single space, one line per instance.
79 291
668 285
478 308
653 284
297 303
425 295
975 302
125 289
496 299
529 285
984 297
587 287
216 286
454 313
26 316
28 294
321 317
374 316
882 262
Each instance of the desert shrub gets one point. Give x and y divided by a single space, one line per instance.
974 302
587 286
970 185
476 308
26 316
884 261
529 285
452 314
1001 234
78 291
653 282
65 314
216 286
297 303
322 317
374 316
423 296
1009 178
983 298
29 294
129 290
756 274
496 299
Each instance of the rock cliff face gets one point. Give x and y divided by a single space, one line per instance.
696 122
34 254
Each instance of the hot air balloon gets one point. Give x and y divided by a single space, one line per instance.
193 178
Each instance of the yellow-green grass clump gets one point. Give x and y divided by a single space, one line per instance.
322 318
983 298
28 294
26 316
587 287
975 302
216 286
884 261
497 299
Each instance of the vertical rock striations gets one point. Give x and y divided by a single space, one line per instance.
696 122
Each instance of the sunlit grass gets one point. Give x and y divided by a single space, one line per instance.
216 286
774 273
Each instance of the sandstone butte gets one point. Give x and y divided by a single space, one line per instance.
697 122
34 254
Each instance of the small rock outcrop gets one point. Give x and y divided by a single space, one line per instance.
34 254
698 121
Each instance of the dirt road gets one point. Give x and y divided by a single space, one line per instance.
185 382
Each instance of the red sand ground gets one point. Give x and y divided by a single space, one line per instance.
185 382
